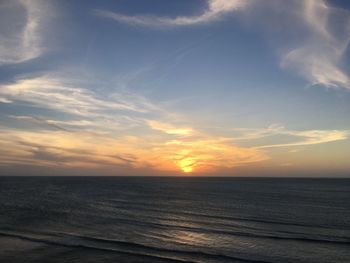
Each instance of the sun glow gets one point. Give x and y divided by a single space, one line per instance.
187 169
187 164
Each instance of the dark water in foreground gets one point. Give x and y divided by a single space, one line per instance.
84 219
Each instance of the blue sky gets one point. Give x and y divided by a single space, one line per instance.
208 87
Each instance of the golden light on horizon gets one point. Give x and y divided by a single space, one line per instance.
187 169
187 164
103 151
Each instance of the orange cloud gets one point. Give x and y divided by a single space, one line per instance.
169 129
86 150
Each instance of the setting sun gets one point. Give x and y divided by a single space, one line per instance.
187 164
187 169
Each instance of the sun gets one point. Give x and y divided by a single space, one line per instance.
187 164
186 169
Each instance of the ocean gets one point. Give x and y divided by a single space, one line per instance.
173 219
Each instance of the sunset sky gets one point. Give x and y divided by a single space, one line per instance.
177 87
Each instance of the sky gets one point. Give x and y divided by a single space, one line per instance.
183 87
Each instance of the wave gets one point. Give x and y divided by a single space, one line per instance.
127 248
283 235
289 235
254 232
118 203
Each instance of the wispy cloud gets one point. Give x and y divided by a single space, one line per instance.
85 150
210 153
60 148
67 103
323 32
122 129
96 131
298 138
5 100
66 96
319 56
169 128
311 137
20 34
214 11
102 147
114 129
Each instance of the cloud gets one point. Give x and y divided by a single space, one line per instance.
102 147
210 153
311 137
110 132
214 11
59 148
91 130
5 100
65 96
79 149
318 58
298 138
169 128
20 30
319 36
70 104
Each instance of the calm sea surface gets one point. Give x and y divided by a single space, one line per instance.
143 219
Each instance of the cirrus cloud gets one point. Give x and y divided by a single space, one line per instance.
20 30
215 10
320 55
323 33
